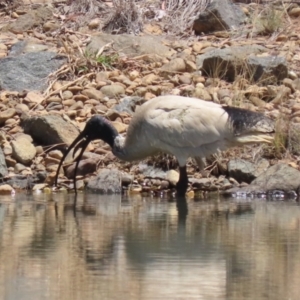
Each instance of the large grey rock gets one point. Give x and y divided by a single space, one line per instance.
245 171
219 15
26 46
131 45
106 182
50 129
279 181
28 71
268 69
30 20
279 177
3 167
241 170
228 62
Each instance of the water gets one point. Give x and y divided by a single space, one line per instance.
139 248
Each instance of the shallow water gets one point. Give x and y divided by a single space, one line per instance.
139 248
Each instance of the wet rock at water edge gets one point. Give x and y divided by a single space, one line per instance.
279 177
26 182
106 182
245 171
85 167
3 166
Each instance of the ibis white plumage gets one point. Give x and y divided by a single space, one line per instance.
184 127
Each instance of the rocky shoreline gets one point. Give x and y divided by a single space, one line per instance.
53 79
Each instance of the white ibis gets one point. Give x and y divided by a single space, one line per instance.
184 127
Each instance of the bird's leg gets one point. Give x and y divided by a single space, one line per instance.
182 184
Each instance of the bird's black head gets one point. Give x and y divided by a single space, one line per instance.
99 128
96 128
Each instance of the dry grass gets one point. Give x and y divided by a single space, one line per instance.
130 16
125 17
269 20
181 14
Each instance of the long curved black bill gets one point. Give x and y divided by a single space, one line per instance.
84 144
75 142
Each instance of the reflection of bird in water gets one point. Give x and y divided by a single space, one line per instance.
184 127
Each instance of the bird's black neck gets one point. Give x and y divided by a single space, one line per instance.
110 134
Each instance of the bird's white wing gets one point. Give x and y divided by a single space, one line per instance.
187 123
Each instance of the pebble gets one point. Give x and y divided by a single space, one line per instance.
172 176
23 150
6 189
7 114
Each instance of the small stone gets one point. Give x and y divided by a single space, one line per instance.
135 189
113 90
19 168
197 47
39 150
77 105
69 102
56 154
23 150
93 93
86 166
292 75
51 161
190 66
10 162
107 181
134 74
257 101
121 127
47 190
80 97
172 176
39 186
290 84
294 12
282 38
101 77
202 93
54 99
67 95
21 107
7 149
94 23
282 95
296 108
185 78
190 194
175 65
6 189
34 97
149 79
7 114
50 26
